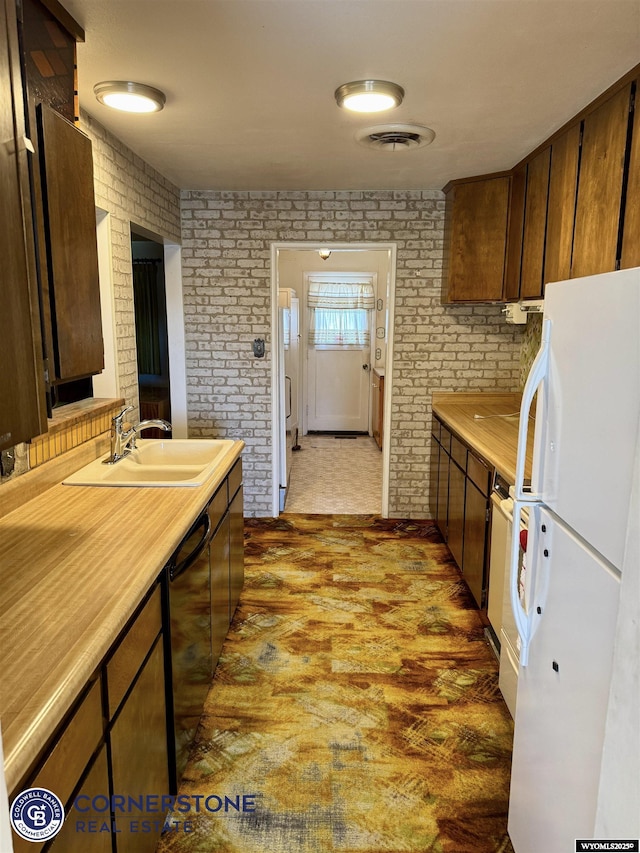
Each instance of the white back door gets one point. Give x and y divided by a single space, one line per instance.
338 386
338 331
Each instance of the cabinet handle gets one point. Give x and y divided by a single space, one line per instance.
13 146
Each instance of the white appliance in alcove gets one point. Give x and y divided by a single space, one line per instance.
288 368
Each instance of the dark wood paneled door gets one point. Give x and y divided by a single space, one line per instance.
70 226
561 209
535 225
604 142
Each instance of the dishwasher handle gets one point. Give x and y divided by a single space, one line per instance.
177 569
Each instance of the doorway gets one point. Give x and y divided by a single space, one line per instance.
152 340
293 265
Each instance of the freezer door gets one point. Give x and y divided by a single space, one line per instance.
588 408
562 693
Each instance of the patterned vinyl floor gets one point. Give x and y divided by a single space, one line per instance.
336 475
356 701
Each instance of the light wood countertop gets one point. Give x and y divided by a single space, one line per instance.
493 436
75 562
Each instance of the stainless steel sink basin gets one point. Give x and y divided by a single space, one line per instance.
157 462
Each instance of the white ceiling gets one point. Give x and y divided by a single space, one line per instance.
250 83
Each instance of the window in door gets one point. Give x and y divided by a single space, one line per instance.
339 313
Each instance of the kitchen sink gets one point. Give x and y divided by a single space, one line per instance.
157 462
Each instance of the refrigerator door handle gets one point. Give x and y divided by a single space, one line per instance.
522 620
288 379
536 376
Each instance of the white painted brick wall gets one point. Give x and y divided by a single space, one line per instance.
131 191
226 278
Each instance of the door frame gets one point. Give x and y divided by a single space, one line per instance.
276 249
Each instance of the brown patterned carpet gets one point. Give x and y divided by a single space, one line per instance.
356 697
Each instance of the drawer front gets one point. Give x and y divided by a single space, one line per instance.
127 660
235 479
62 770
459 452
479 472
218 505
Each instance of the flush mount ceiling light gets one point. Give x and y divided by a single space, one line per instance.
324 253
369 96
129 97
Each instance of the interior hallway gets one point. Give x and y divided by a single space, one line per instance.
336 474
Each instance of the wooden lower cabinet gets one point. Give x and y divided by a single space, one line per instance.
139 755
461 482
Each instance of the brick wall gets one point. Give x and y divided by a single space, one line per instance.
131 191
226 276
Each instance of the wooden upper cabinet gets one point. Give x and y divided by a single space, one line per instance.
630 256
598 209
66 171
535 225
49 47
476 213
561 209
22 402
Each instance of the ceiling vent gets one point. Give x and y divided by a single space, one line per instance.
396 137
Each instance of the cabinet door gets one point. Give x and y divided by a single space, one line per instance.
535 224
128 657
236 550
515 234
80 833
22 407
443 491
69 758
139 755
455 524
433 477
631 235
563 182
219 589
72 255
598 209
475 538
477 237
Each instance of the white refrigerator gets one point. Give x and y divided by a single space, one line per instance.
288 385
576 760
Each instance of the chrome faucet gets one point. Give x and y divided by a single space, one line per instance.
124 441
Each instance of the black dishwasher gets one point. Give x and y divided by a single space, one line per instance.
188 648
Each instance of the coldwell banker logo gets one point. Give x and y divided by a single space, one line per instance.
37 814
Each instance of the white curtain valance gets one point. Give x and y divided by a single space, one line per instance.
340 295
